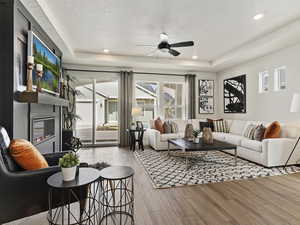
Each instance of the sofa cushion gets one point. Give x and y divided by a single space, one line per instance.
181 125
237 127
219 136
273 130
234 139
290 131
26 155
252 144
166 137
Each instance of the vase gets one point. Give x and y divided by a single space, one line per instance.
188 133
69 174
207 136
197 140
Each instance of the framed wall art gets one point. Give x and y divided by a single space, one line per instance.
235 95
206 96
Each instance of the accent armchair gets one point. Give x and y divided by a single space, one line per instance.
25 193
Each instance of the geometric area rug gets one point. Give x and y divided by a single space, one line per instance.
170 171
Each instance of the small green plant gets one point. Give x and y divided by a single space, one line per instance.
196 133
69 160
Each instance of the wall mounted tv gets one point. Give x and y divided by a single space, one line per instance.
51 64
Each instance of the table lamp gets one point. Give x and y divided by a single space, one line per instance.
136 112
295 107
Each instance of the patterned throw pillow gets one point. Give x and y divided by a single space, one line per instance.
174 127
212 123
250 131
259 132
221 126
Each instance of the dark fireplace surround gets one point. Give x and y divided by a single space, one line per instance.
21 118
43 129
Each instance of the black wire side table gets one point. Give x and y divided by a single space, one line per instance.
117 196
79 199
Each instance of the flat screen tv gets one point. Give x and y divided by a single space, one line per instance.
51 64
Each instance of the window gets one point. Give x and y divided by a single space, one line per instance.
280 79
263 81
172 100
159 99
147 98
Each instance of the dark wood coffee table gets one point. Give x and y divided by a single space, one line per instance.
189 147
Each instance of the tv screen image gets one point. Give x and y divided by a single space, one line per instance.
51 64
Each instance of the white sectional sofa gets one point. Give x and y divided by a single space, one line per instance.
269 152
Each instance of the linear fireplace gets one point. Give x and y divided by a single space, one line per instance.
43 129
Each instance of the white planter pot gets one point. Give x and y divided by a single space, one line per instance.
69 173
197 140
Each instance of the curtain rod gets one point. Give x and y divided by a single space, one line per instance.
105 71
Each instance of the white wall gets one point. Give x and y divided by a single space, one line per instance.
272 105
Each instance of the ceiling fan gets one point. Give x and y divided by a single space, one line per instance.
165 46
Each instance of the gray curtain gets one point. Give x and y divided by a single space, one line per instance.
190 80
125 97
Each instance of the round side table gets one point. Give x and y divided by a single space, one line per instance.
117 195
84 190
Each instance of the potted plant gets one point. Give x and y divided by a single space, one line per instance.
68 164
196 134
69 113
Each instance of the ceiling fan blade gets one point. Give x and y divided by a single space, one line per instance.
174 52
182 44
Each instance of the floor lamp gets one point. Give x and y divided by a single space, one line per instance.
295 107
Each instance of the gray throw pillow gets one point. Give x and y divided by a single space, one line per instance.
167 127
259 132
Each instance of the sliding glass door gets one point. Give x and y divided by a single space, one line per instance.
97 109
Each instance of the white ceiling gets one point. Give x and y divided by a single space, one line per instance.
221 30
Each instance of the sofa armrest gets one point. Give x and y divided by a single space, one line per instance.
154 137
277 150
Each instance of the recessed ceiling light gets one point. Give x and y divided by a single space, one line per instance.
258 16
194 57
106 50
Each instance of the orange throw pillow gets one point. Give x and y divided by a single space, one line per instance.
26 155
158 124
273 130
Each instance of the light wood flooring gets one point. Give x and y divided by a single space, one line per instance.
262 201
